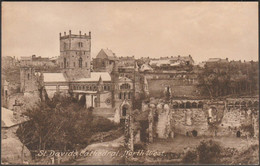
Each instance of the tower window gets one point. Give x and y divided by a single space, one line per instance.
28 76
65 46
80 62
120 95
80 44
125 95
65 62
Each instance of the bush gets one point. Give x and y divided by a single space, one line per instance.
209 152
190 157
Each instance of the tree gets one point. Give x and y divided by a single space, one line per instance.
209 152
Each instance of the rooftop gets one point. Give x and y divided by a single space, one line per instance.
53 77
94 77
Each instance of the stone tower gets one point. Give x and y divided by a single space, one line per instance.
75 55
28 80
100 90
115 88
137 82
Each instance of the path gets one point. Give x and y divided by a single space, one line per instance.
105 152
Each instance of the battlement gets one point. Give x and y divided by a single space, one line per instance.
70 35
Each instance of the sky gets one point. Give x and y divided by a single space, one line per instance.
144 29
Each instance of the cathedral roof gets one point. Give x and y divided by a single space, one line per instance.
94 77
53 77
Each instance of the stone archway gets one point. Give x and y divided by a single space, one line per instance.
124 109
238 134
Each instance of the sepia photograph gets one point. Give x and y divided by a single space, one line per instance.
130 83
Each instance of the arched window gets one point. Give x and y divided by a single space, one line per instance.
200 105
256 104
175 105
243 104
194 105
125 95
125 86
65 62
181 105
124 109
188 104
250 104
80 62
237 105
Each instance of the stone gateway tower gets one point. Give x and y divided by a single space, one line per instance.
75 55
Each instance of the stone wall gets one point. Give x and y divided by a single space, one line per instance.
178 88
187 120
213 119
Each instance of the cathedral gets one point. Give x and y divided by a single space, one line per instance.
100 89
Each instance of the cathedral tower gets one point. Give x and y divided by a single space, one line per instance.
75 55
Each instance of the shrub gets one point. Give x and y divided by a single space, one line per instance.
209 152
190 157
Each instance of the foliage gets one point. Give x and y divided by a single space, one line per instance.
62 124
137 101
208 152
234 78
190 157
248 128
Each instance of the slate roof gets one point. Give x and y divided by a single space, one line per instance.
94 77
109 53
53 77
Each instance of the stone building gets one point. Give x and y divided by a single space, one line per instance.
75 55
172 63
104 61
35 61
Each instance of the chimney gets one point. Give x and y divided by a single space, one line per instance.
89 33
80 33
64 33
60 34
189 55
85 34
227 59
70 32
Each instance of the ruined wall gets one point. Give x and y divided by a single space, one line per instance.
28 80
187 120
213 119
